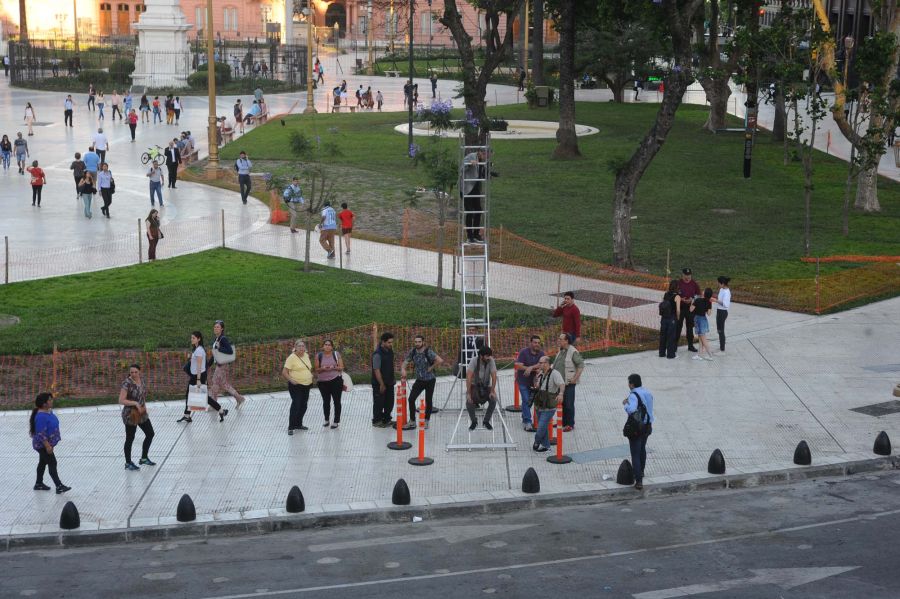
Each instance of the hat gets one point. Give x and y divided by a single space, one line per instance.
686 271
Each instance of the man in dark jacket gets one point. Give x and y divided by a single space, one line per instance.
383 380
173 159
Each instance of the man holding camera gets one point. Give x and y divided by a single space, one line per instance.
481 386
688 289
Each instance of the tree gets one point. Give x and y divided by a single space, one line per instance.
537 42
475 80
319 186
677 16
567 140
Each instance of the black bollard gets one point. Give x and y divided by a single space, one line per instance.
295 503
186 511
400 496
625 475
882 444
530 482
802 455
716 463
69 518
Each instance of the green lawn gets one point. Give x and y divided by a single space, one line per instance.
261 298
693 199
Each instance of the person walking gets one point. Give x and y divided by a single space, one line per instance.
434 80
157 110
293 197
6 148
424 360
688 289
639 400
173 159
527 366
133 398
144 107
298 373
481 386
701 308
239 115
379 100
105 185
20 145
87 190
92 97
346 217
548 394
224 356
383 380
669 313
329 369
101 144
327 229
38 180
570 364
101 103
154 233
92 162
78 169
116 101
723 304
523 75
196 371
132 122
571 316
170 109
68 107
128 102
156 180
43 426
176 108
29 118
243 165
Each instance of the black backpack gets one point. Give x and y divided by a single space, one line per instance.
638 422
667 307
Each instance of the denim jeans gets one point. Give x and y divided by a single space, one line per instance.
245 185
525 397
569 406
638 447
6 156
541 437
86 198
156 188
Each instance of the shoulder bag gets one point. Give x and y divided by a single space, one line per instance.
637 423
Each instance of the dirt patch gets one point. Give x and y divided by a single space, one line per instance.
723 211
8 320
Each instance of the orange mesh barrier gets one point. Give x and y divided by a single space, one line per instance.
851 258
91 374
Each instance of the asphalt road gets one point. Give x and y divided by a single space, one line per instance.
818 539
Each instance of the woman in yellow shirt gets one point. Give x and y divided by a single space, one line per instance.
298 373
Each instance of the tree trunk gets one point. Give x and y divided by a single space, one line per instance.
780 115
717 94
442 220
309 233
628 177
23 22
845 211
567 140
867 190
618 90
808 188
537 42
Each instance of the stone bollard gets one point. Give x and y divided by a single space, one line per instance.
802 455
716 463
69 518
625 475
882 444
186 511
400 496
295 503
530 482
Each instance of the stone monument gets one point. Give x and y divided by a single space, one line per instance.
163 56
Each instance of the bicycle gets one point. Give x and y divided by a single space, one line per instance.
154 153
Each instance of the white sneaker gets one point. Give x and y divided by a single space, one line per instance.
709 359
696 357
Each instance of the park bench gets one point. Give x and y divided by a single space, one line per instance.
392 73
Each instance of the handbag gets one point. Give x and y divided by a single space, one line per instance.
112 186
347 382
637 423
542 398
135 415
196 399
224 358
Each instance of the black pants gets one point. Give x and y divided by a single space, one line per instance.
331 390
668 338
102 155
130 431
479 399
192 382
47 460
721 315
116 109
67 118
299 401
132 127
473 221
244 182
686 317
106 194
177 115
638 446
36 194
417 388
382 403
91 104
173 174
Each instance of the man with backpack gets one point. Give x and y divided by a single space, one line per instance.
424 361
639 426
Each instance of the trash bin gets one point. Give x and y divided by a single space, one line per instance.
542 93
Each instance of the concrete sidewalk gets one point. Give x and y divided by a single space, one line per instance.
772 389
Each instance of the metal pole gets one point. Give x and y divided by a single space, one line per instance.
310 99
212 165
223 227
6 269
341 251
140 244
75 21
369 39
411 67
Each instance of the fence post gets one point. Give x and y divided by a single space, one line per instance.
405 240
6 254
140 244
223 227
668 264
558 287
454 270
53 384
374 335
817 285
341 250
500 248
608 321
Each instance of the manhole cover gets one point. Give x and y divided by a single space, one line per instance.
8 320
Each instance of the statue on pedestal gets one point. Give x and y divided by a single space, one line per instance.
163 56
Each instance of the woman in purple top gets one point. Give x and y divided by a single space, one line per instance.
44 429
329 366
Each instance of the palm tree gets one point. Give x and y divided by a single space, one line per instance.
565 135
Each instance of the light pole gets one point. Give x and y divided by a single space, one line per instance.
212 165
310 100
370 38
411 66
75 21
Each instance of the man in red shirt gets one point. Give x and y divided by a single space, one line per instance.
688 289
571 316
346 216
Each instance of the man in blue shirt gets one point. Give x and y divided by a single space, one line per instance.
327 228
293 197
638 443
67 111
243 165
91 162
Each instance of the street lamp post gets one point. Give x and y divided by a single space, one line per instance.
212 166
411 66
310 100
370 38
75 21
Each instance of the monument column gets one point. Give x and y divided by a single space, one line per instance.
163 56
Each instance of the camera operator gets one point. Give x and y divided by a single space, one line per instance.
481 386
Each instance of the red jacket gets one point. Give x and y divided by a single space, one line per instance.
571 316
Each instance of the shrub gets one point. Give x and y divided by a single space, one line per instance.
498 124
223 72
94 76
120 70
198 80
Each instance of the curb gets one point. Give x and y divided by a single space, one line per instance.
588 494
